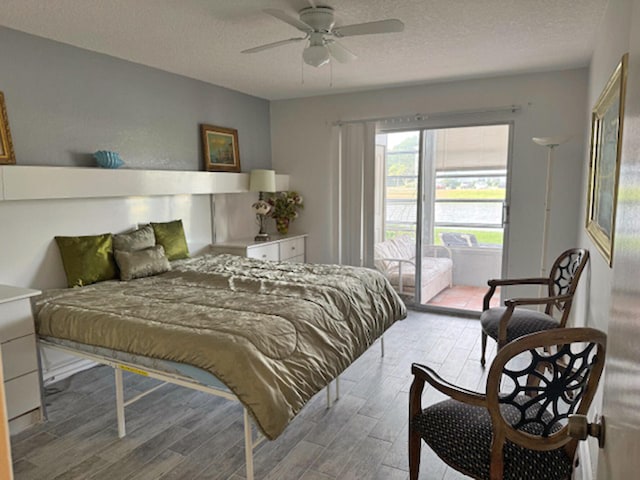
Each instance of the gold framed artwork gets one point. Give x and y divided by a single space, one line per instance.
7 157
604 164
220 149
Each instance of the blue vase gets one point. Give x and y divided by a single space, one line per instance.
107 159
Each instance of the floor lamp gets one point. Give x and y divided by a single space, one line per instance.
550 143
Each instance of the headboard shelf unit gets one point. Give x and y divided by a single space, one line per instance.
19 182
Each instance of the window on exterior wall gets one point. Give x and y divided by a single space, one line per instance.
470 203
469 166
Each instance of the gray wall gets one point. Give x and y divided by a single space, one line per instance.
64 103
612 42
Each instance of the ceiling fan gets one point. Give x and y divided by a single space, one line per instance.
317 23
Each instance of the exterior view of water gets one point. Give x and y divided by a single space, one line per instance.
484 213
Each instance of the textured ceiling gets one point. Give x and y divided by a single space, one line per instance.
202 39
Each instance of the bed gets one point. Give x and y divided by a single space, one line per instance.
270 335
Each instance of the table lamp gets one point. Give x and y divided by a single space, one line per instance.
262 181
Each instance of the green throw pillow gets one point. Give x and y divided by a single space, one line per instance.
87 259
171 236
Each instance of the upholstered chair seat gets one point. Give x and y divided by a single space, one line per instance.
460 435
523 322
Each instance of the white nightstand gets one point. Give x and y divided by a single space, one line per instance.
288 248
19 357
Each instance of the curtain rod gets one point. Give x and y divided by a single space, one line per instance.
425 116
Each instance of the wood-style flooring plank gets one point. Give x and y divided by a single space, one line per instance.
365 461
332 460
330 421
269 454
164 462
293 466
79 471
137 459
203 456
393 420
388 473
311 475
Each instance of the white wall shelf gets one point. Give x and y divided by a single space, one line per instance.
42 182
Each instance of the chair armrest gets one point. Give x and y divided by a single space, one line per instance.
496 282
512 303
423 373
518 281
515 302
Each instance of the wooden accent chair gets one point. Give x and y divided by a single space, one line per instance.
505 324
521 431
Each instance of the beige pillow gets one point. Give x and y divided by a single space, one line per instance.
142 263
135 240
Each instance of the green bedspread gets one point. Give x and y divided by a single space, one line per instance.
274 333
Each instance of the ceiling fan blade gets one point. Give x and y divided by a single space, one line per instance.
381 26
280 15
273 45
340 52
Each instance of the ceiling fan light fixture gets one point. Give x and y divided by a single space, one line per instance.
316 55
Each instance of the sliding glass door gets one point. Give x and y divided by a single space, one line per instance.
444 195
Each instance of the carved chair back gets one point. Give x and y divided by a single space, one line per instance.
537 381
563 280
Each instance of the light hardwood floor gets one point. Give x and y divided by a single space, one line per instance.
175 433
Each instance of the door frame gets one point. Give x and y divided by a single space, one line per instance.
442 123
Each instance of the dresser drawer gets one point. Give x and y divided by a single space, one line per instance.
19 357
264 252
15 320
22 394
290 249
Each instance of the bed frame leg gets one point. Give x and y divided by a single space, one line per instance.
120 403
43 404
248 445
328 395
382 345
328 388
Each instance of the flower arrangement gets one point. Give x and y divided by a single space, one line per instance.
284 209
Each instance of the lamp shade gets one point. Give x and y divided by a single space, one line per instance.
551 141
262 181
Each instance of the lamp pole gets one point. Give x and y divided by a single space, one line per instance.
551 143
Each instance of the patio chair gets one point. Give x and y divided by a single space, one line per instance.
456 239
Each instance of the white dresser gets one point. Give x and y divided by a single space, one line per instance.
288 248
19 357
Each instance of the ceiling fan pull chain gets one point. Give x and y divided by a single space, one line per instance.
330 73
301 71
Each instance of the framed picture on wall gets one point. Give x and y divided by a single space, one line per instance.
220 149
604 165
7 156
